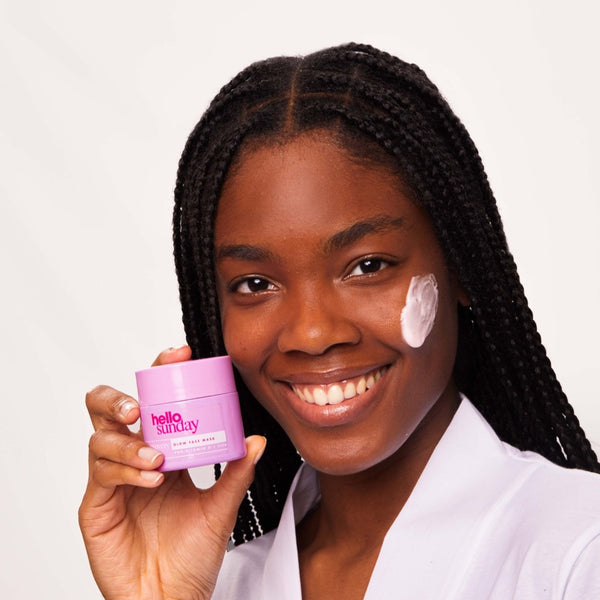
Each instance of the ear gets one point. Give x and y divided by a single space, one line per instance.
463 298
461 295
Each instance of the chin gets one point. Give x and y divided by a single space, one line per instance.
345 458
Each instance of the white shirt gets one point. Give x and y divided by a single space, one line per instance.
484 521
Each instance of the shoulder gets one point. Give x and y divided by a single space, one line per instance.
552 494
523 483
582 577
547 524
529 524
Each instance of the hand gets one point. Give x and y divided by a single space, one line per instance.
149 534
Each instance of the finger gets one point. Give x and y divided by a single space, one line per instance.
108 475
111 409
172 355
124 449
230 489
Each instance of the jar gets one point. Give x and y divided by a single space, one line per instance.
190 412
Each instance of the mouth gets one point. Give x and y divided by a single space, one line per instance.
337 392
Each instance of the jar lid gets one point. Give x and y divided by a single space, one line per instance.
185 380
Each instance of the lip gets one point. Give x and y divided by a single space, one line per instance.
333 415
330 376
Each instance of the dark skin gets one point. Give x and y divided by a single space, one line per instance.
315 255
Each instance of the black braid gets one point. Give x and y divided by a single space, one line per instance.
383 110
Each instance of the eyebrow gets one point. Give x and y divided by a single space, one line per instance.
338 241
244 252
360 229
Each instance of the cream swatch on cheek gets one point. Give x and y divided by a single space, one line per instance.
418 314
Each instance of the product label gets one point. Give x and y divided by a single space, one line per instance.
172 422
194 431
211 440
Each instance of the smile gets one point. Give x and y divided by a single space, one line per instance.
335 393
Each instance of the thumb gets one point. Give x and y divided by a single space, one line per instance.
172 355
230 489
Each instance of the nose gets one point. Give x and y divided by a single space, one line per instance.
315 322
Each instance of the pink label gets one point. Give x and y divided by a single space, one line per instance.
195 431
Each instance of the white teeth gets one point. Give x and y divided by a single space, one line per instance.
308 397
337 392
320 396
361 386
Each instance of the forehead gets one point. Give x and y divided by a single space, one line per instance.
307 182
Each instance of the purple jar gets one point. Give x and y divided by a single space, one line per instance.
190 412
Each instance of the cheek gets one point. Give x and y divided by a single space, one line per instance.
249 340
240 336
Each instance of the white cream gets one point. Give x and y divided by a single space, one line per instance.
418 314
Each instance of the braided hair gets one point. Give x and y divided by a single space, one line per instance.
379 109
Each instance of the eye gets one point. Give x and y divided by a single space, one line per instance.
252 285
368 266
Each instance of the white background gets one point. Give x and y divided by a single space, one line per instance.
97 100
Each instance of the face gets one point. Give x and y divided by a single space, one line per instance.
315 255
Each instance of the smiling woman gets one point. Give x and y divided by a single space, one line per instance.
335 234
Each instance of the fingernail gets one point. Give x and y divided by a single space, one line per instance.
260 452
148 454
151 476
127 407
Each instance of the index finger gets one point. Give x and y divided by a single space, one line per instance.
111 409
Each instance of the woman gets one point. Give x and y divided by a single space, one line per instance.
335 234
